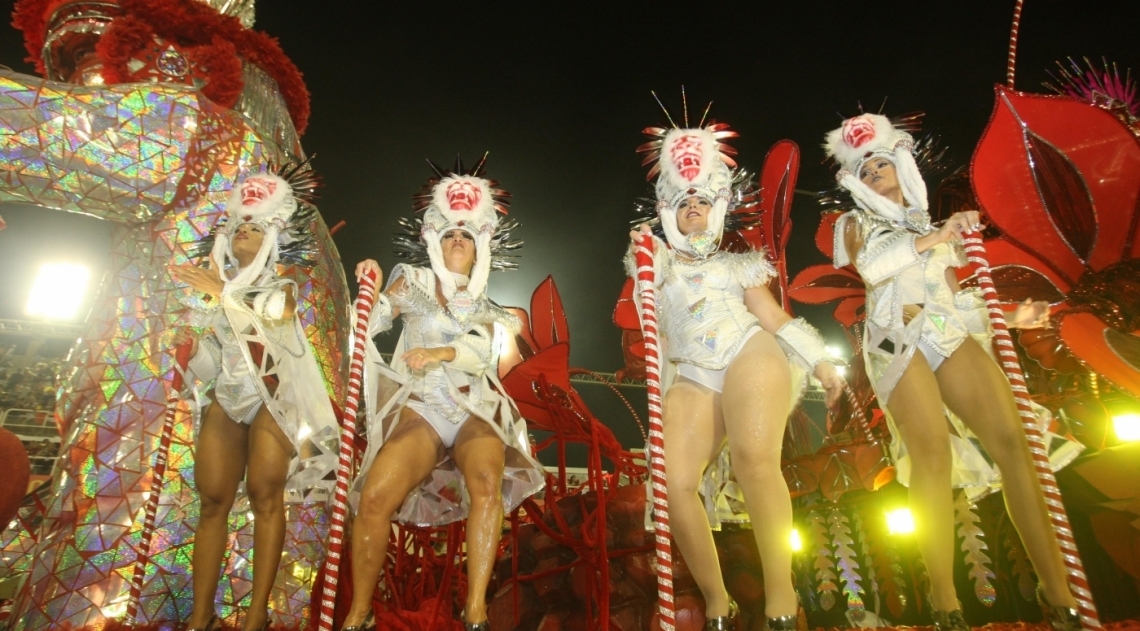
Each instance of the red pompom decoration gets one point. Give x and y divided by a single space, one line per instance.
15 472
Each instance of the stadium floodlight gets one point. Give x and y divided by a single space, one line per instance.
59 291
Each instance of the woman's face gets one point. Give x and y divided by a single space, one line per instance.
693 215
458 251
880 176
247 242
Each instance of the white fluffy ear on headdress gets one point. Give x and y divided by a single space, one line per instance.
910 178
716 217
481 271
435 255
668 217
867 199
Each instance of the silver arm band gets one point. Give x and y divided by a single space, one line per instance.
801 342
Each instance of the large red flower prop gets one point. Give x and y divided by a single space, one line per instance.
1061 179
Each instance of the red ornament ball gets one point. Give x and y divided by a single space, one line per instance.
15 472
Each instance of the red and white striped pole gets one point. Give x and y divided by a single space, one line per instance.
142 559
646 285
1007 355
329 579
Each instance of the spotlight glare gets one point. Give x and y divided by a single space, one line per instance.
834 351
59 291
1127 426
842 370
900 521
795 540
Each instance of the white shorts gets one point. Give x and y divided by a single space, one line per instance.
447 430
707 377
933 357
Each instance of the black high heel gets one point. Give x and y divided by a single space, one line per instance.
367 624
950 620
213 624
475 626
1060 618
724 623
783 623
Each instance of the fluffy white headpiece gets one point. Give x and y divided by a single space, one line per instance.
691 162
463 200
263 199
872 135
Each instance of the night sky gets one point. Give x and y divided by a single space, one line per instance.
559 96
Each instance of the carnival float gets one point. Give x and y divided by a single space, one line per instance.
150 110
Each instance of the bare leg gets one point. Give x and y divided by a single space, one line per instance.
478 453
408 456
916 407
757 400
219 463
269 454
975 389
694 432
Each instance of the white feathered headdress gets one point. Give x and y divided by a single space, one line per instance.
872 135
691 162
460 199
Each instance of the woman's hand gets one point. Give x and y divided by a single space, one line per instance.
207 281
1030 314
955 228
960 224
184 335
369 265
635 235
831 381
428 358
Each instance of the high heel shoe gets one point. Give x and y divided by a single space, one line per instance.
475 626
950 620
1061 618
783 623
213 624
367 624
264 625
724 623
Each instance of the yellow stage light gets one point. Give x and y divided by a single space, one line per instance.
59 291
795 540
900 521
1127 426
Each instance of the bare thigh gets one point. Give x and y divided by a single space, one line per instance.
405 459
694 432
220 454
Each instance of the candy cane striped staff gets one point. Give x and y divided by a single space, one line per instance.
181 358
331 572
646 284
1003 343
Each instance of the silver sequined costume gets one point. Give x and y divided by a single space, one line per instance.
897 275
704 323
460 391
299 403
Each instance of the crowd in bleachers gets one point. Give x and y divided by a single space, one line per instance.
27 397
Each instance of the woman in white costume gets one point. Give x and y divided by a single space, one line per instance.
730 342
273 424
922 359
444 441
